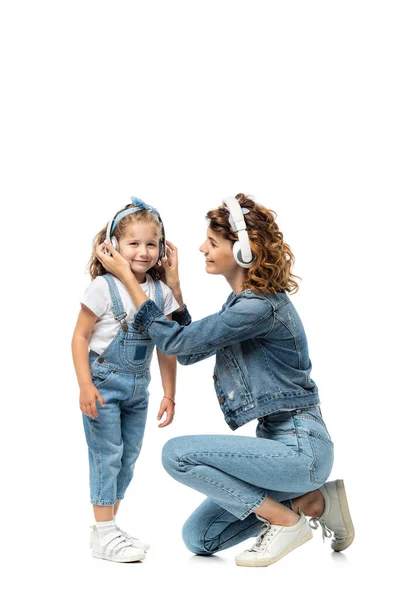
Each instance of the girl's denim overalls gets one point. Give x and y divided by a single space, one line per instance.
121 374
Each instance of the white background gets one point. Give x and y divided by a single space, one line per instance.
182 103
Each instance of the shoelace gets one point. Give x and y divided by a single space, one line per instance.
266 534
326 532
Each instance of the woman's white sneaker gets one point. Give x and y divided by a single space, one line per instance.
336 517
274 542
112 545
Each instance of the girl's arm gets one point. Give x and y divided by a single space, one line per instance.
80 355
167 365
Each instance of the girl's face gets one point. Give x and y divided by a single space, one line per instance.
218 254
140 247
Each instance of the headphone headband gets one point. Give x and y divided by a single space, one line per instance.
238 224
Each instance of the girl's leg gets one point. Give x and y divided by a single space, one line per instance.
103 436
133 422
102 513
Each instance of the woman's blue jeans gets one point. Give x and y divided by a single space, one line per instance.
291 455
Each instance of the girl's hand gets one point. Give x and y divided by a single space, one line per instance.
169 267
87 400
166 406
113 263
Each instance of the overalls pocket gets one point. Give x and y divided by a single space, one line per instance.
102 378
134 352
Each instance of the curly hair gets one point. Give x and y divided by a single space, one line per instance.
94 266
272 270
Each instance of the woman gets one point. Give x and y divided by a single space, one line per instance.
265 485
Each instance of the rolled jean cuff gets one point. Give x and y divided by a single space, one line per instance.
287 503
256 504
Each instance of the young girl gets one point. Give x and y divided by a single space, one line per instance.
115 373
263 485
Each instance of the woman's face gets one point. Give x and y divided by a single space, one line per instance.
218 254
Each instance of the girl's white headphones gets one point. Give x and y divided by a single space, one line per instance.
137 205
241 249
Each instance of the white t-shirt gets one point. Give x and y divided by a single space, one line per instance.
97 298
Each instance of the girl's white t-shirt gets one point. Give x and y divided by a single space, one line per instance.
97 298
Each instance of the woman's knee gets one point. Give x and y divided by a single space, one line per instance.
170 456
193 539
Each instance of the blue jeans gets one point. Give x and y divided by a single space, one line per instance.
291 455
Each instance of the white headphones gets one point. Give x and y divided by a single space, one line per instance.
241 249
137 205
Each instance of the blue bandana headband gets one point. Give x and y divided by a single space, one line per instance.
137 205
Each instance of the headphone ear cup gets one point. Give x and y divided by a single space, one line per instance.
114 242
237 255
161 250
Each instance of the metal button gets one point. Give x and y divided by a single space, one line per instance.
221 400
232 424
101 360
122 341
141 328
124 326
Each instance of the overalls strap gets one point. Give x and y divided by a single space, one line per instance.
158 295
117 306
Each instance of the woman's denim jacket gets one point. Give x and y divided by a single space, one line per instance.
262 363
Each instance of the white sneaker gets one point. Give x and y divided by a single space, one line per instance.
112 545
134 541
274 542
336 517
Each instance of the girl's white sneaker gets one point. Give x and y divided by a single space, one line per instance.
134 541
112 545
274 542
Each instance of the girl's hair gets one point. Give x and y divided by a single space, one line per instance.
95 267
272 270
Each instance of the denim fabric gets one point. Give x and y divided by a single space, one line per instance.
291 455
122 376
262 362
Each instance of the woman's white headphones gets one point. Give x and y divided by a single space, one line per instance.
241 249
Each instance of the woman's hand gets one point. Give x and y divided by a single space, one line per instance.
87 400
169 267
113 263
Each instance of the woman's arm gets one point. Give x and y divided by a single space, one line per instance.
246 316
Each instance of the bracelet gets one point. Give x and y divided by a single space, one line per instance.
173 401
